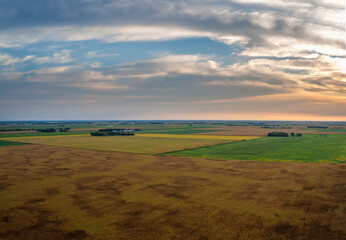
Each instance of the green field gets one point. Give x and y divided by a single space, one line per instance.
305 149
167 182
148 145
162 129
43 134
327 130
9 143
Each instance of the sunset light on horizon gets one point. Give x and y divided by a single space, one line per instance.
131 60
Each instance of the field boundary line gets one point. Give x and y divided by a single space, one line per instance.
191 136
77 135
106 150
217 144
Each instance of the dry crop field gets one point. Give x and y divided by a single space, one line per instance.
134 144
52 192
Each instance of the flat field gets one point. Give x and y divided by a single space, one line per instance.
258 131
9 143
299 149
41 134
66 193
134 144
178 131
233 138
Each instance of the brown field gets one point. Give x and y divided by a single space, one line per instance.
134 144
64 193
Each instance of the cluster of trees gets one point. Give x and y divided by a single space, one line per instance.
324 127
277 134
114 132
276 127
296 135
53 129
283 134
15 129
322 135
119 129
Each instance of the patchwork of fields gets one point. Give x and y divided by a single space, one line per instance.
233 138
9 143
65 193
134 144
172 183
309 148
305 149
42 134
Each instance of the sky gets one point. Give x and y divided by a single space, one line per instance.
177 59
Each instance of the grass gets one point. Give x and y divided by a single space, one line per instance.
134 144
9 143
42 134
305 149
234 138
328 130
65 193
176 131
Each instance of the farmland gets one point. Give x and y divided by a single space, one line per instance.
305 149
149 145
41 134
9 143
173 181
187 136
64 193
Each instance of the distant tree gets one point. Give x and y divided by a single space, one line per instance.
113 132
46 130
292 134
277 134
98 134
63 129
299 135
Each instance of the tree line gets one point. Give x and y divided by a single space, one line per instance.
53 129
284 134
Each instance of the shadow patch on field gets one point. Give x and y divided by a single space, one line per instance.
51 191
167 163
131 196
76 235
168 190
181 186
4 183
312 229
32 221
83 204
99 195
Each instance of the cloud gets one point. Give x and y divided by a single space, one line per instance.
98 86
58 57
6 59
281 75
272 54
96 54
251 23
